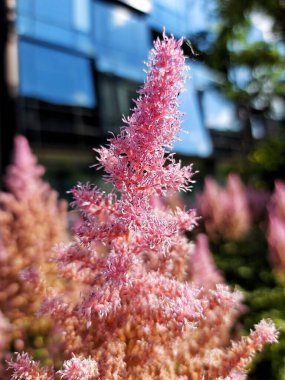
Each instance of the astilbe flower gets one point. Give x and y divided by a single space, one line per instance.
225 210
32 220
258 200
24 368
202 266
276 229
4 338
77 368
140 316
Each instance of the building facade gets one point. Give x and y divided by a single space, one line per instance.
72 68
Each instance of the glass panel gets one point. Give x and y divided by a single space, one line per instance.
53 34
195 138
66 23
116 96
25 7
171 14
218 111
25 27
81 15
122 40
200 15
55 76
202 76
57 12
176 6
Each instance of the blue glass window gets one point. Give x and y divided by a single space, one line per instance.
25 7
82 15
170 14
55 76
219 112
122 40
61 22
54 12
194 138
200 15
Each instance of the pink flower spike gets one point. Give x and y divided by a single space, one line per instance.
79 369
203 269
265 332
276 229
23 177
24 368
135 160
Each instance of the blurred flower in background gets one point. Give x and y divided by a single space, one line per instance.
276 229
32 221
225 210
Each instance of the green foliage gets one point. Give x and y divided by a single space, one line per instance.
269 155
263 165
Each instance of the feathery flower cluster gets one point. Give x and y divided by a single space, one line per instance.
202 266
276 228
225 210
25 368
140 316
32 220
5 328
258 200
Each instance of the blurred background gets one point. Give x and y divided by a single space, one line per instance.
69 70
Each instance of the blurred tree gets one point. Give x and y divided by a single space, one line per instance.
247 48
262 166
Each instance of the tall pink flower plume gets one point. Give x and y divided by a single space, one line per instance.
5 328
202 266
278 199
276 229
240 354
276 238
32 221
24 368
136 160
258 200
225 210
23 176
77 368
